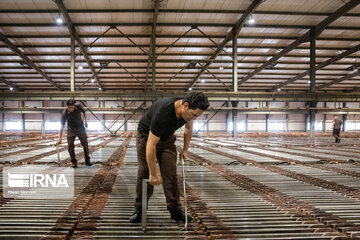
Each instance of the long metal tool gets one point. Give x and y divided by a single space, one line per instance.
185 202
87 139
144 204
58 153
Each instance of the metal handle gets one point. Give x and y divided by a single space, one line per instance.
144 204
183 177
58 154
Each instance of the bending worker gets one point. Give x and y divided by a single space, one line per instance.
156 150
75 128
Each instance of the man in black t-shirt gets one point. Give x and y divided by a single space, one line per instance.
72 114
156 150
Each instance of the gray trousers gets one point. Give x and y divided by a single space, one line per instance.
81 134
336 134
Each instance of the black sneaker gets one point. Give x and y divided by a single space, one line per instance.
74 164
180 216
136 216
88 163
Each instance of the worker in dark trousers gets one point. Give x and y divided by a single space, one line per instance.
156 150
72 114
336 127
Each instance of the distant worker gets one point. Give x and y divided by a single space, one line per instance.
336 127
156 150
75 127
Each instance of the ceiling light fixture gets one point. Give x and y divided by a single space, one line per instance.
59 20
103 64
191 65
251 20
25 65
271 65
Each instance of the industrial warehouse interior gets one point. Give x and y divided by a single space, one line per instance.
275 154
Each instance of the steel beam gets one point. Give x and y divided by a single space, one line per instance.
74 34
185 54
276 37
241 110
179 67
152 54
213 96
206 61
131 74
27 60
210 11
320 66
305 37
354 74
177 24
335 48
12 85
235 31
312 60
235 62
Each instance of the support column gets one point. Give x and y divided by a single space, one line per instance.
266 119
72 61
23 122
312 82
312 121
234 119
3 122
3 119
324 117
227 117
287 117
312 61
43 132
344 118
247 118
22 116
126 124
104 118
235 61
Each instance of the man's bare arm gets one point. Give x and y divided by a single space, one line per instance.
187 137
154 170
85 120
60 134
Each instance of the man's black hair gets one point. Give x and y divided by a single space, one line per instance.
70 102
196 100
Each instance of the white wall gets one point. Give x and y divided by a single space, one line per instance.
296 122
256 122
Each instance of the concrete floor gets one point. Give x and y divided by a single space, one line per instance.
251 188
